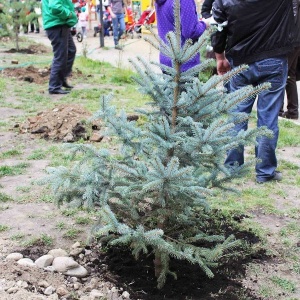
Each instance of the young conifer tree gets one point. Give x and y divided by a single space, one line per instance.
153 194
4 19
17 14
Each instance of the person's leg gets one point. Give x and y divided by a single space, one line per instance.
274 71
116 30
235 157
121 20
25 28
291 86
83 29
59 41
71 54
37 25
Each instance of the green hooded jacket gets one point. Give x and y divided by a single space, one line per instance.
58 12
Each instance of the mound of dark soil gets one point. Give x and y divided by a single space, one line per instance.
118 266
32 49
30 74
67 123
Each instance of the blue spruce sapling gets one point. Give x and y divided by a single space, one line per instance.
153 194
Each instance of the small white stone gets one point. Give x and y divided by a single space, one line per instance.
12 290
44 261
76 251
63 264
14 256
62 290
58 253
76 245
26 262
125 295
77 286
43 283
74 279
96 295
49 290
77 272
49 269
22 284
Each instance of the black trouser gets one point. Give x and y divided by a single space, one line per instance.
35 23
64 51
291 85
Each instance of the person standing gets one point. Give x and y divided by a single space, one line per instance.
58 18
191 27
252 36
291 85
117 11
83 21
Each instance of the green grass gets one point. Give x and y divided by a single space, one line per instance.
5 198
122 76
285 284
10 153
24 189
60 225
69 212
17 237
44 239
13 170
288 134
3 228
72 233
47 198
37 155
296 268
82 220
286 165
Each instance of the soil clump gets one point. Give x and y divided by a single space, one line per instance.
67 123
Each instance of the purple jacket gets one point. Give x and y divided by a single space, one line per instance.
191 27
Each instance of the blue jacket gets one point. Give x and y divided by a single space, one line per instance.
191 27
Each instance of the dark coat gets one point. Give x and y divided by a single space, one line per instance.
206 9
256 29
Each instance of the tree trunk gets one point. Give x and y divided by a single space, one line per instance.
157 265
17 41
157 259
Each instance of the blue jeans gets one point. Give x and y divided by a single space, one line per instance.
118 27
64 51
272 70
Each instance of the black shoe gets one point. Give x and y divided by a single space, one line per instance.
276 177
287 115
66 85
59 92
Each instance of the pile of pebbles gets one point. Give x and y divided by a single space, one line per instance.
77 282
